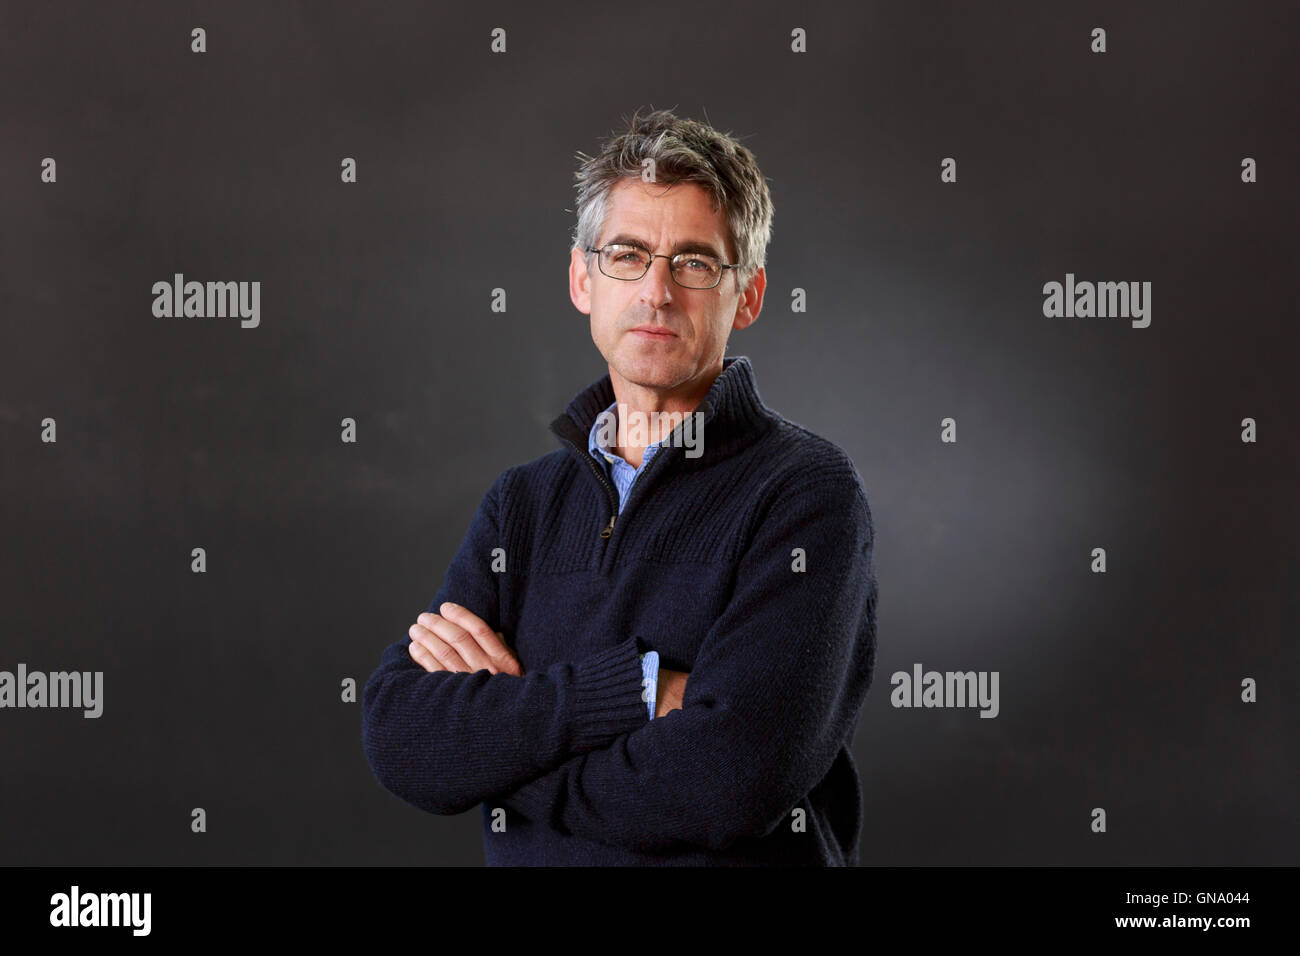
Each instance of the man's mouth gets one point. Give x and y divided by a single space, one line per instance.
655 331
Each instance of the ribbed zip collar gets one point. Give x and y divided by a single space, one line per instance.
734 415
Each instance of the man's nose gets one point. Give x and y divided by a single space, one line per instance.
657 284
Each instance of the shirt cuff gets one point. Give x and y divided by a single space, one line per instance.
650 679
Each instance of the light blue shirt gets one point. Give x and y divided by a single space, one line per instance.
619 470
623 475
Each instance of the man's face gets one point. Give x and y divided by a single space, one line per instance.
693 324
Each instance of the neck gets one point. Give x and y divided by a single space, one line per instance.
644 409
732 415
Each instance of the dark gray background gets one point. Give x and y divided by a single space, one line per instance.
222 690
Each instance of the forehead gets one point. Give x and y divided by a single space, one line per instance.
682 212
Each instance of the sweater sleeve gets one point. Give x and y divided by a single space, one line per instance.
774 692
443 740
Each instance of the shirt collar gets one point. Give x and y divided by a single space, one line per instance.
734 414
595 448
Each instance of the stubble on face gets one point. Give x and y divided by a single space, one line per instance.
672 365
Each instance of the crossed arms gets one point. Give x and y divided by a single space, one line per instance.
773 694
459 640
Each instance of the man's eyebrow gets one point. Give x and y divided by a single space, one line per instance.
690 245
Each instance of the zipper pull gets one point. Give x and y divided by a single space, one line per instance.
609 528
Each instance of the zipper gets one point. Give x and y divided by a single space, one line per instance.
611 493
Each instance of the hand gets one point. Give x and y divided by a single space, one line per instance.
668 695
459 640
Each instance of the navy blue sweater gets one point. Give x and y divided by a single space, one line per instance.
749 566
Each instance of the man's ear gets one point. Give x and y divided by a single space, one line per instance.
751 301
579 281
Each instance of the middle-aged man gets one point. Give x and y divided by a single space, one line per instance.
663 632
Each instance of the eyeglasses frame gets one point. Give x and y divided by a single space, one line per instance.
659 255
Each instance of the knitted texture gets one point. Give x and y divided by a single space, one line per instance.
749 566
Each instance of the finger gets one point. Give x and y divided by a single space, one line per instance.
488 650
444 653
424 657
518 669
458 639
439 649
421 655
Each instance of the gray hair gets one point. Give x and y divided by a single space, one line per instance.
683 150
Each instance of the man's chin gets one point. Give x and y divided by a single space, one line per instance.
651 373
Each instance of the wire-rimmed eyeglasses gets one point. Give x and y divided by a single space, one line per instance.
690 270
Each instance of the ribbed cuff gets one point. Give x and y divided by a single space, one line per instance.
607 696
